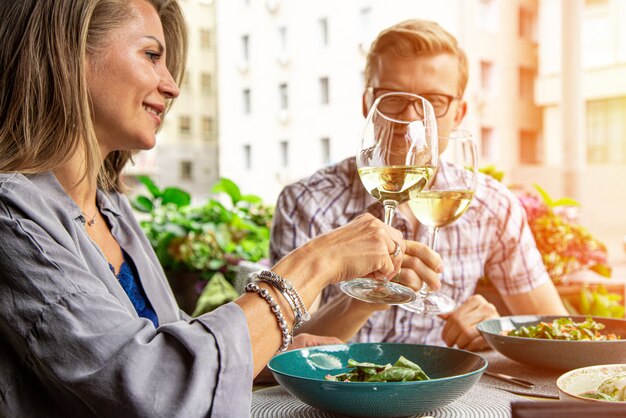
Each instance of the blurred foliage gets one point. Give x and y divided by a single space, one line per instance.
567 247
210 238
595 301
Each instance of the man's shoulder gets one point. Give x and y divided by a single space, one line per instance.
495 199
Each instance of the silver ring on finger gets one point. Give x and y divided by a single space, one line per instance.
396 251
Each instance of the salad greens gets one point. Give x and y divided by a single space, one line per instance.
564 329
402 370
612 389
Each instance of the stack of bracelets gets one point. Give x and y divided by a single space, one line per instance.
289 293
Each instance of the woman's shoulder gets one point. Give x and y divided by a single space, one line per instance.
26 187
38 197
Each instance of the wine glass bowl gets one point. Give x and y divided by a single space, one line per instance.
396 158
443 202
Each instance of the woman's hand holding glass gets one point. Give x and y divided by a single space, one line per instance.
360 248
396 158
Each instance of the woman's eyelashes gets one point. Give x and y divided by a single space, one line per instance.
153 56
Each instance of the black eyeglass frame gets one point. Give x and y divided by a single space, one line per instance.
376 92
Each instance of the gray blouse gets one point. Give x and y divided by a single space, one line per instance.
72 343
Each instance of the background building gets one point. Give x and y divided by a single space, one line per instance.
547 102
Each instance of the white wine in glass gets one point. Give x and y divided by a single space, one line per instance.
396 183
441 207
396 159
443 202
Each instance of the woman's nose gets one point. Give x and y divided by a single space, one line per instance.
168 87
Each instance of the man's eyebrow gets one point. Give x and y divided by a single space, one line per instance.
154 38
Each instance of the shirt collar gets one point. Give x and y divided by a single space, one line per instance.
49 184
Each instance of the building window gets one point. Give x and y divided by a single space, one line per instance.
206 82
245 48
186 170
282 39
324 94
325 144
365 18
247 156
526 84
205 39
606 131
284 153
486 77
486 143
207 128
283 96
527 24
184 125
488 16
599 43
529 149
247 107
323 25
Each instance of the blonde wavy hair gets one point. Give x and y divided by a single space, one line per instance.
45 110
414 38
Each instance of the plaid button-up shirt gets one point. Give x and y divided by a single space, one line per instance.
492 239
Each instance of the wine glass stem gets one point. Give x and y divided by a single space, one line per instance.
390 210
432 237
432 240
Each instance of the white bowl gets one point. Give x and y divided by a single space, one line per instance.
578 381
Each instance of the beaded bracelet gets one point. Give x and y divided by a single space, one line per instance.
285 287
282 324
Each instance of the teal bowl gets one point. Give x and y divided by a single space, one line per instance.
301 372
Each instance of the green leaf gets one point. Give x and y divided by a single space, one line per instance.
565 201
394 374
251 198
175 230
419 373
142 204
229 187
177 196
216 264
602 269
152 188
544 195
216 293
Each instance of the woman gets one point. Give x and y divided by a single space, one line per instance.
89 325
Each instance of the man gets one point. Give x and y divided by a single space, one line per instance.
491 240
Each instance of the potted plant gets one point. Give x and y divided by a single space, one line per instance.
203 248
566 248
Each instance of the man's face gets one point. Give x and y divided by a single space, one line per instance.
432 74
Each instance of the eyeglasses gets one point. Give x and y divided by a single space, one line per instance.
395 105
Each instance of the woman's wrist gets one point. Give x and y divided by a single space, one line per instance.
305 271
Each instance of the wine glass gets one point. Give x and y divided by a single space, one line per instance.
444 201
396 159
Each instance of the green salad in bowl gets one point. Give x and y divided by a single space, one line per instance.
377 379
557 342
